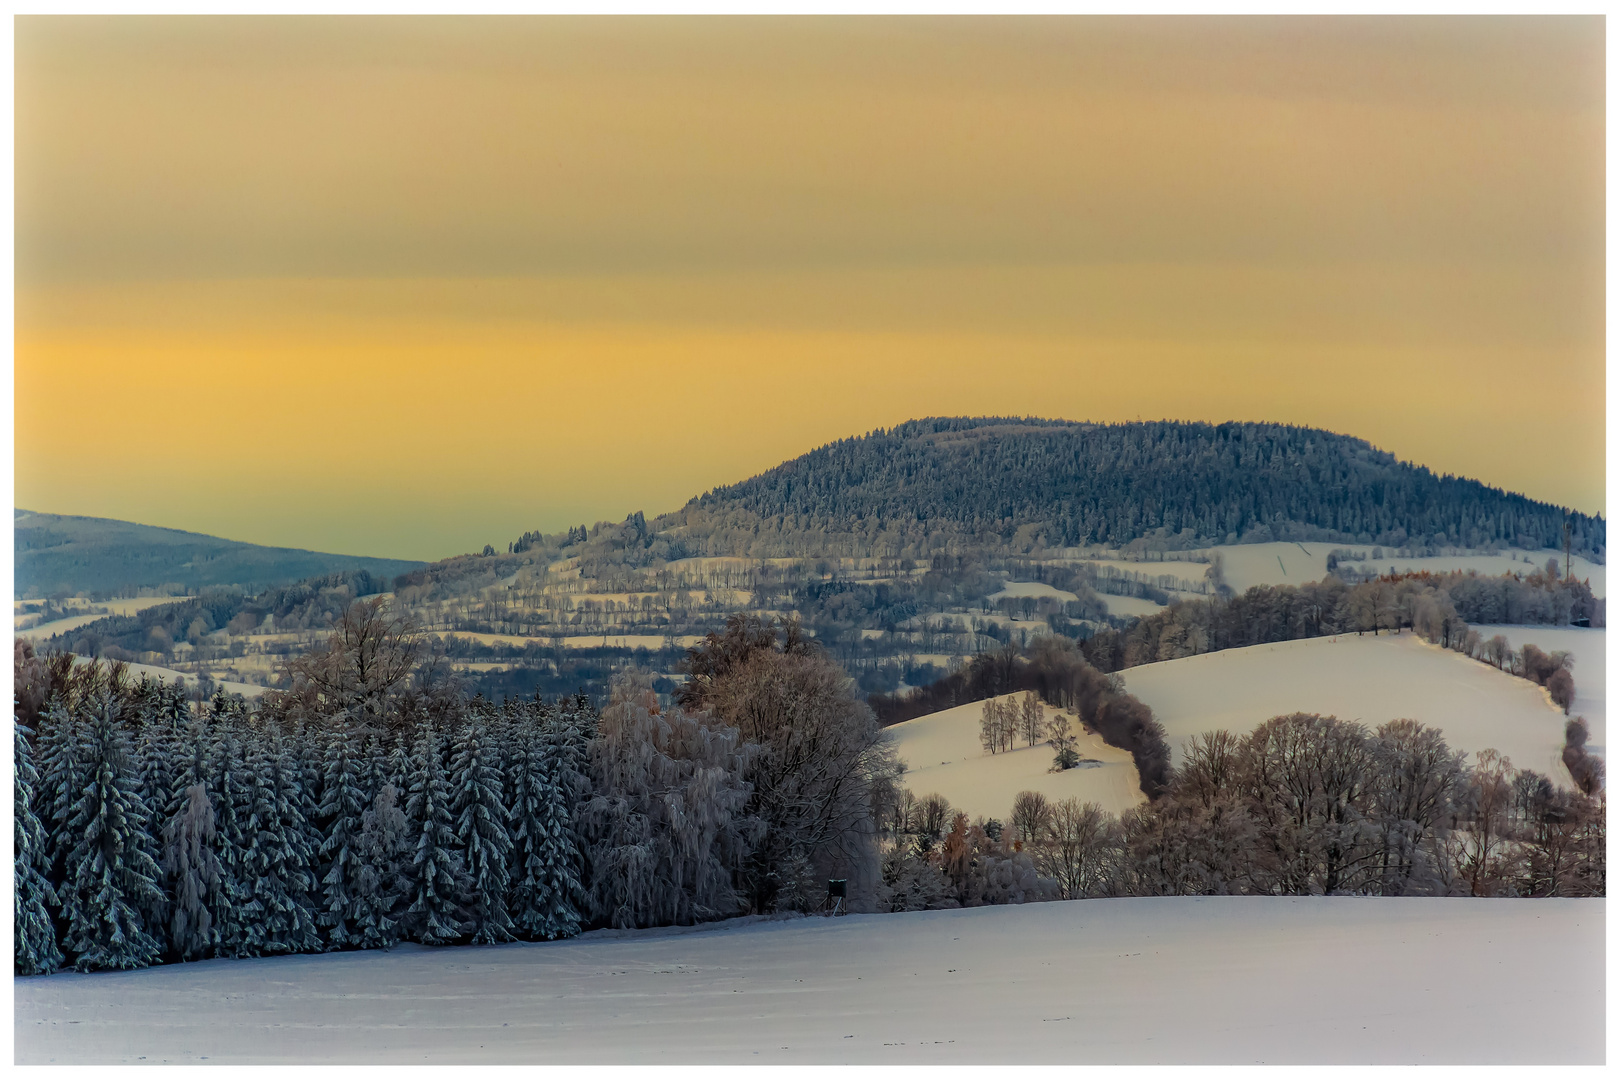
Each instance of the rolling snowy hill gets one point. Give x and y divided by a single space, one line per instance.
1233 980
1365 678
943 755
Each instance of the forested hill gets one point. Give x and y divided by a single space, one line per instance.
1046 483
76 555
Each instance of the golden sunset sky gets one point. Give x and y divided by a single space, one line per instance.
407 286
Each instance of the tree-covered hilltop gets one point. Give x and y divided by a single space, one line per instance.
960 482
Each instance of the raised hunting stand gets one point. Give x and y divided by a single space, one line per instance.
837 890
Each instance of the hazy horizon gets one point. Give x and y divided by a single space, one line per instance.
400 287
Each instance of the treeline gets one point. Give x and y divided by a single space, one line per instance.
1438 606
1304 805
1056 669
1055 484
310 604
371 802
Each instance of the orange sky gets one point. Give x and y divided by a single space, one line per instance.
408 286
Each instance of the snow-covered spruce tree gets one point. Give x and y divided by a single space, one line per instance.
438 877
230 791
61 779
382 849
546 891
342 805
36 950
190 836
191 866
278 863
112 895
480 813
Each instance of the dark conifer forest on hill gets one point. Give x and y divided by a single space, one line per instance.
1076 484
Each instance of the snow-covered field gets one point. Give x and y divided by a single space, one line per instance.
943 756
1131 605
1234 980
1365 678
1247 565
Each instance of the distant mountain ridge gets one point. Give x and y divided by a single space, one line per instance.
61 553
949 482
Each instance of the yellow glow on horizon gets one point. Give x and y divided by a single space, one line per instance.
404 287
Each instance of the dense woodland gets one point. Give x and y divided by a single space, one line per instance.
372 802
949 483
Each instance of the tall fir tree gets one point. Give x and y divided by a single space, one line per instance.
112 894
236 910
278 863
191 868
438 877
62 769
342 806
383 888
480 813
35 931
547 889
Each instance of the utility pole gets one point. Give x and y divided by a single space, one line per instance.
1566 549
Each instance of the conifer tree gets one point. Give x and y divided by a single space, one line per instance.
383 847
236 909
35 947
480 814
435 908
192 868
112 895
278 862
547 889
342 805
62 772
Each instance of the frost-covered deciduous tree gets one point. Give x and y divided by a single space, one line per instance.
35 949
666 826
1031 718
111 896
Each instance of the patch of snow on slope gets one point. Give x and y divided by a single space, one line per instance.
1365 678
943 755
1233 980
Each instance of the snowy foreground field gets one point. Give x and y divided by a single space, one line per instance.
1370 679
1230 979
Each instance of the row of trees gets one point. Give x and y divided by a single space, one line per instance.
1057 671
372 802
1303 805
1438 606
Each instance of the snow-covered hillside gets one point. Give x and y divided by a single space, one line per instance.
1234 980
943 755
1246 565
1365 678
